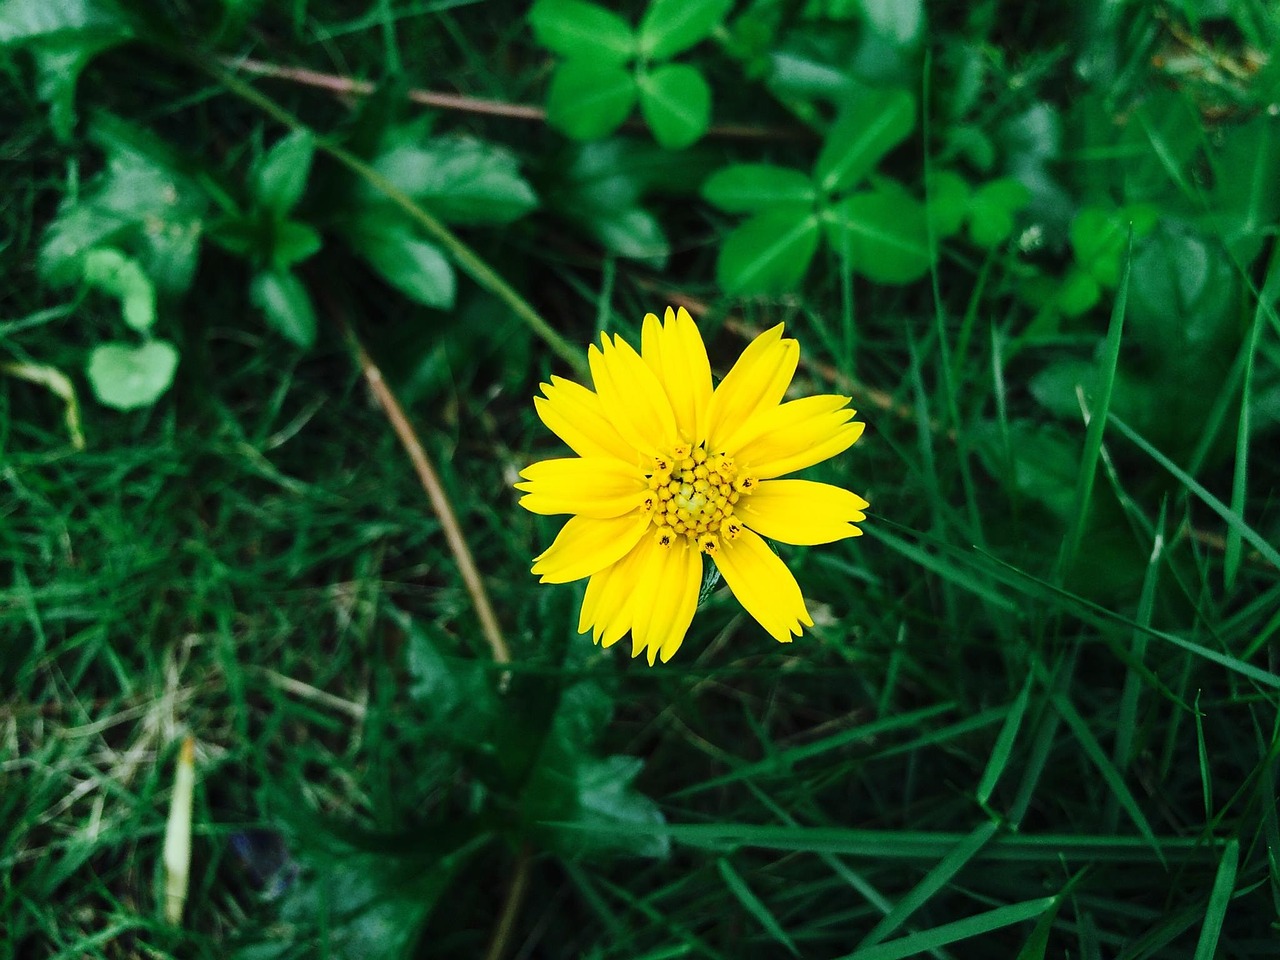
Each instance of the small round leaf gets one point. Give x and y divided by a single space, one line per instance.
672 26
750 187
126 377
883 235
769 253
582 31
588 101
676 103
285 303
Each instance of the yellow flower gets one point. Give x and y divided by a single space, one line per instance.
668 470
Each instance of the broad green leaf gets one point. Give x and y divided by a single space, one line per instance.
279 176
992 208
144 203
445 686
1245 203
413 266
631 232
285 303
587 101
460 179
898 20
63 36
948 203
670 27
1041 461
113 273
583 805
870 127
125 376
293 242
676 103
1077 292
769 253
751 187
581 30
882 235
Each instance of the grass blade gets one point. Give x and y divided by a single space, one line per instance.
1003 748
949 933
1219 898
754 906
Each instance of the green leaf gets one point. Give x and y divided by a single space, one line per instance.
992 208
445 686
870 127
948 203
676 103
1099 238
583 805
1078 292
581 30
742 891
285 303
670 27
413 266
752 187
631 232
144 204
113 273
587 100
898 20
63 36
769 253
125 376
293 242
1245 203
957 931
882 235
279 176
460 179
1219 900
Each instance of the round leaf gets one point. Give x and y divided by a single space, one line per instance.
948 202
112 272
587 101
750 187
581 30
676 103
992 208
672 26
873 124
285 303
883 236
126 377
769 253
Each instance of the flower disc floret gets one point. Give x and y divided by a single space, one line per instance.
669 471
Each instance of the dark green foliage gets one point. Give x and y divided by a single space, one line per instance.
1037 714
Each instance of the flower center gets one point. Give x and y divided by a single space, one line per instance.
693 496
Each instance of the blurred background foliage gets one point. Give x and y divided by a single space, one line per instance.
1037 714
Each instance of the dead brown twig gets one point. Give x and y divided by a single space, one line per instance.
351 87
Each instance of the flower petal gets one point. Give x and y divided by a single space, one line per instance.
586 545
757 382
796 435
609 603
763 585
802 511
601 487
675 352
575 415
632 397
666 599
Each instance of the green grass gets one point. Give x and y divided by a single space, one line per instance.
1037 715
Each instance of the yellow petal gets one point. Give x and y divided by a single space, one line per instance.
676 354
796 435
666 599
586 545
632 398
802 511
756 383
575 415
609 603
763 585
599 487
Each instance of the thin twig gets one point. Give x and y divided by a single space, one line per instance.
430 481
351 87
511 908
